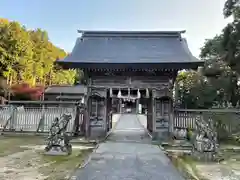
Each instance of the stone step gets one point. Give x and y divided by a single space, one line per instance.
177 147
178 151
83 141
177 143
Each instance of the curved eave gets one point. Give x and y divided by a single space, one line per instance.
124 66
167 50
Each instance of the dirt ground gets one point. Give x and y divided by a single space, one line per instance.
23 158
228 169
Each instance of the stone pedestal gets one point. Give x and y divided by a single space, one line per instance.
206 156
160 136
57 150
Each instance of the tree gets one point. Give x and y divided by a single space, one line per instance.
231 35
28 56
218 81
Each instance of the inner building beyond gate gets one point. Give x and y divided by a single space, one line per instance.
128 100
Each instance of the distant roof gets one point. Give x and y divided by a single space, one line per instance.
72 97
79 89
129 47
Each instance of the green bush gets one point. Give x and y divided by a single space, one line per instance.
189 134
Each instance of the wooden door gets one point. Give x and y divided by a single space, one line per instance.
97 114
162 115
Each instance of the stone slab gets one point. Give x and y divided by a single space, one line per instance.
56 151
128 155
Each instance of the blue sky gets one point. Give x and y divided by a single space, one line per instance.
200 18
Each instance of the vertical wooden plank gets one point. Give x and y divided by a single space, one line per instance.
171 118
105 111
88 110
149 115
153 119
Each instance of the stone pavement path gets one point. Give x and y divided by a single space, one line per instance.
128 155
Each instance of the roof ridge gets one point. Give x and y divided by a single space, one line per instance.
130 33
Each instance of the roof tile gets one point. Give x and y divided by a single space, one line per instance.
130 47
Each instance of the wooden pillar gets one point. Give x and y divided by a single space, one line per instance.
87 117
88 108
120 106
153 115
109 112
150 115
171 118
137 106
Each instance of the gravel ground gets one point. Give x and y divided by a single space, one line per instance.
22 158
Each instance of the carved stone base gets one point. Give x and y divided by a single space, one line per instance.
97 133
205 156
58 150
160 136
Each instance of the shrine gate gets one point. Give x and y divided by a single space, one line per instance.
130 72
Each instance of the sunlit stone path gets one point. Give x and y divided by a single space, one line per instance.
128 155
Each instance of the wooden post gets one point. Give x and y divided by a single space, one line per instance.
171 118
150 114
88 108
137 106
120 106
10 84
153 115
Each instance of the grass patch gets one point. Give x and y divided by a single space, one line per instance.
10 145
61 167
30 161
186 165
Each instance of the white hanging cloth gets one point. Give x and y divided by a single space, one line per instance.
147 93
111 93
82 101
138 94
119 94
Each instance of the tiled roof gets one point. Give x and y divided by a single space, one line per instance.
131 47
79 89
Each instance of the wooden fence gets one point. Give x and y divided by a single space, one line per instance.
227 119
33 119
39 119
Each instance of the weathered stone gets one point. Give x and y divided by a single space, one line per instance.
205 142
58 151
58 140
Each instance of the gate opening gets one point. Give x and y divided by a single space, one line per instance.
129 106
